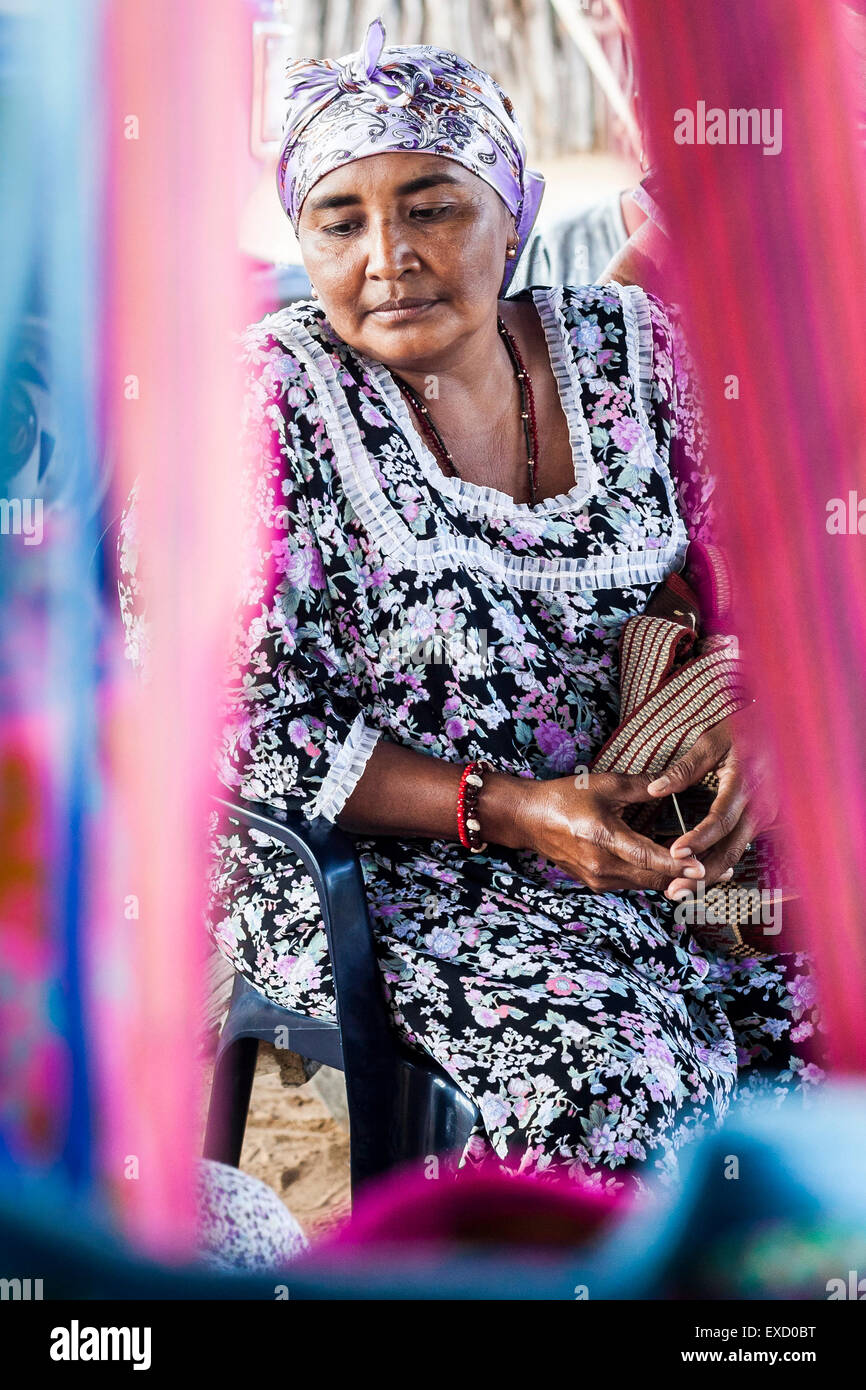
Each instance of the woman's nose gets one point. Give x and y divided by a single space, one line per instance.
389 249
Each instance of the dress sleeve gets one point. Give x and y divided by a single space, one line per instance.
673 405
295 727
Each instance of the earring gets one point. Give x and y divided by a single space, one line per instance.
314 293
511 252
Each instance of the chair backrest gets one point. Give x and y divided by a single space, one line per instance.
372 1057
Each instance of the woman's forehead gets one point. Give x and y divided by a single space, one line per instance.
390 171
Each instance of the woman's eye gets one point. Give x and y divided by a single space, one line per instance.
422 214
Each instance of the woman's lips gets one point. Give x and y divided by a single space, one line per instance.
406 313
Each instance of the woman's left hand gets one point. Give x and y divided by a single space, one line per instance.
746 802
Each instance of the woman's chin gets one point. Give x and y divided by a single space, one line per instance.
403 341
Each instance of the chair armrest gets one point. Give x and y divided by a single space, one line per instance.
329 855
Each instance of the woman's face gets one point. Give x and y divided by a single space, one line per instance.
405 226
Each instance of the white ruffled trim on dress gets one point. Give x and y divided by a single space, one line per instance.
640 354
639 349
387 528
345 771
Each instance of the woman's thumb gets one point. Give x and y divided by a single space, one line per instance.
676 777
628 787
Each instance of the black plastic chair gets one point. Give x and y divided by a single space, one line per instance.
402 1106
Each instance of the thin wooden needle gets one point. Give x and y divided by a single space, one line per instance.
679 813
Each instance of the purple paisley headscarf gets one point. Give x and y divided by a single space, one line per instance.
404 98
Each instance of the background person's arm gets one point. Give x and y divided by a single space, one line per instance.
640 260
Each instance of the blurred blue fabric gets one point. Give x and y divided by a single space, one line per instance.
786 1220
51 454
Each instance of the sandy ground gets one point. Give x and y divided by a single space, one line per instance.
297 1137
295 1145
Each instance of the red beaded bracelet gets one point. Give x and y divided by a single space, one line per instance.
468 824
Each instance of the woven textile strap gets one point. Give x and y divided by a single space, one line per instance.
666 710
675 685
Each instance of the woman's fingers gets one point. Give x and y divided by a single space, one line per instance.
703 757
720 862
721 819
640 863
734 753
689 885
728 853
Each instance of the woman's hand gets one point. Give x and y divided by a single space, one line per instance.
746 803
581 829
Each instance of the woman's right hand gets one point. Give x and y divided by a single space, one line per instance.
579 826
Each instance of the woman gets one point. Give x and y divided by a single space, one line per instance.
455 501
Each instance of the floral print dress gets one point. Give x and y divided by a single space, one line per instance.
385 600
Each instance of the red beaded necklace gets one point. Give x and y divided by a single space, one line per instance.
527 415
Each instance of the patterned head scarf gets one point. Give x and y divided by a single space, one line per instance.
405 98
